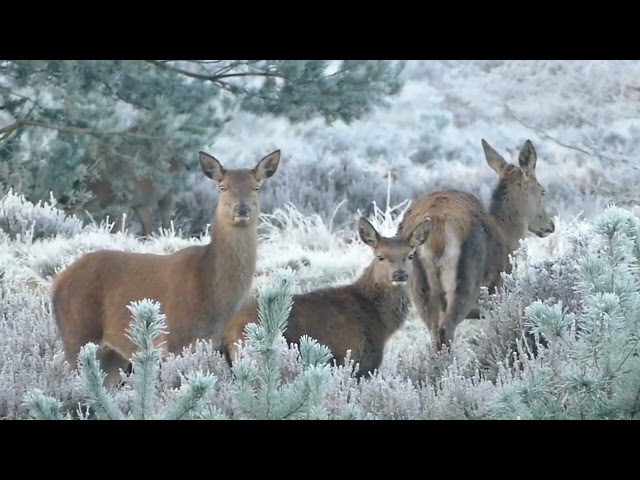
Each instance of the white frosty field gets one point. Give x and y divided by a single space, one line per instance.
578 115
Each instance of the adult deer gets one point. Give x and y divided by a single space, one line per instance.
467 246
199 287
360 316
142 195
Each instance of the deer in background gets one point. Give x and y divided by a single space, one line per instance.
467 246
141 193
143 197
359 317
199 287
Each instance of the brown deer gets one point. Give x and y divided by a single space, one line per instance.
142 196
359 317
467 246
199 287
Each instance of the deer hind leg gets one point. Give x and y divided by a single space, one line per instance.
474 313
462 286
166 204
111 361
427 298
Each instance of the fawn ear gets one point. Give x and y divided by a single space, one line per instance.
211 167
528 159
420 233
368 234
267 166
494 159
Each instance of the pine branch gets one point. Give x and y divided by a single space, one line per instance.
42 407
9 129
215 78
92 380
631 350
190 397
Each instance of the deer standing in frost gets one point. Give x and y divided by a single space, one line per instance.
467 246
199 287
360 316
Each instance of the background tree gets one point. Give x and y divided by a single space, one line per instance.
66 122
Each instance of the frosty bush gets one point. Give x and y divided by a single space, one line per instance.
551 280
147 326
20 218
30 351
589 367
259 389
559 340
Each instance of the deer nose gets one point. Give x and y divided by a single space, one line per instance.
400 276
242 210
552 228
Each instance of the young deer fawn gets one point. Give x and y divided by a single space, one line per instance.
359 317
467 246
199 287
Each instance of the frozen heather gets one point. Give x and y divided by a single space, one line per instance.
559 340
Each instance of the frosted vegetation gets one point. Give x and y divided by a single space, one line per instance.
560 340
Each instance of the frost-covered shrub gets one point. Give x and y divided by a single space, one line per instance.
549 280
30 351
497 369
456 395
589 366
260 392
201 356
388 398
20 218
147 325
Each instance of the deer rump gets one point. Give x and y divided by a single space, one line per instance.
464 250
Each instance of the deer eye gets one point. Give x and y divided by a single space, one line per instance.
410 256
380 257
222 188
256 188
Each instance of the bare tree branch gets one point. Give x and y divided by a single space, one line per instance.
631 162
212 78
9 129
544 134
6 131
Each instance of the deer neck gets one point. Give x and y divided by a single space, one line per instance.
509 219
391 304
230 264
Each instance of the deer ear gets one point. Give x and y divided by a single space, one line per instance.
420 233
494 159
268 166
368 234
211 167
528 158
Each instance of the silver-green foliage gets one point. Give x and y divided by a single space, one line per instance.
261 392
26 220
146 328
589 367
68 121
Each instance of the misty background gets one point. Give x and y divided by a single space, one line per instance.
350 132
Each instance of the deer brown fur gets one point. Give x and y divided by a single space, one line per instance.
142 194
199 287
360 316
467 245
143 197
